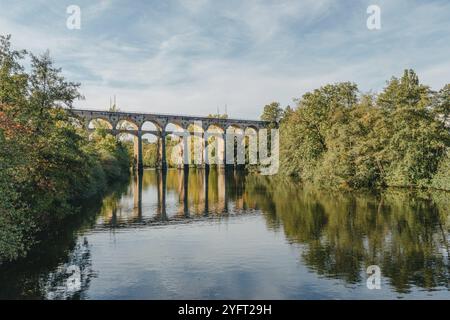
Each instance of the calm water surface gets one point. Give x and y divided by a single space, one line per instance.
192 235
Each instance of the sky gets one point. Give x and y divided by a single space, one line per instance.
197 56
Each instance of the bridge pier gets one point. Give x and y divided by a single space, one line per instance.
137 195
224 157
163 151
162 187
205 150
228 148
206 189
185 151
186 191
240 156
138 152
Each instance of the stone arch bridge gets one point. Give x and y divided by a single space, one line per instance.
136 123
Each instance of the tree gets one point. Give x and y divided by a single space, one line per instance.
311 130
13 80
272 112
441 104
337 137
287 112
46 163
415 139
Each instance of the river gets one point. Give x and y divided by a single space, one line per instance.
217 235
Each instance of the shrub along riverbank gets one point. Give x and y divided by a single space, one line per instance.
47 164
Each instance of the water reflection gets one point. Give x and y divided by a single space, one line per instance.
405 233
175 196
333 235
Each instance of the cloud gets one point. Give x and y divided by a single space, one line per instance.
192 56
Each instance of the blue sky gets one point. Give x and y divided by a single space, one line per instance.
194 56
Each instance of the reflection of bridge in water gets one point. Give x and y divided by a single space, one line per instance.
178 196
136 124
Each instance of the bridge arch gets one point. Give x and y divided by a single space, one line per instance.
125 135
173 153
215 143
171 140
151 150
251 126
132 140
174 125
126 124
195 143
76 122
150 125
236 132
215 128
150 137
234 126
99 123
215 125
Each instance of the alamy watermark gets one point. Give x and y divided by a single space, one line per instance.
374 279
374 20
73 282
73 22
237 147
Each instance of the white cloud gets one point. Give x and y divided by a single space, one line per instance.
194 56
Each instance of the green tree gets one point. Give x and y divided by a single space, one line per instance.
441 104
47 163
311 130
272 112
415 139
340 138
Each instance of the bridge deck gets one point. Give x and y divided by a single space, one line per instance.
166 115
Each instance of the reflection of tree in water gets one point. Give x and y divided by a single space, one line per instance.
405 233
110 205
46 272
